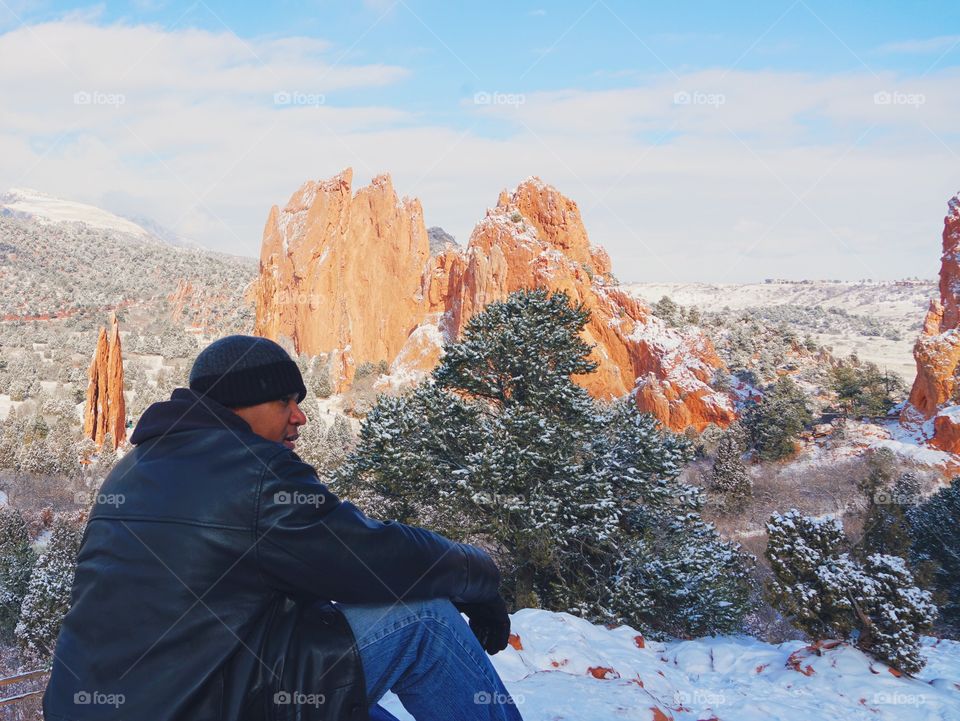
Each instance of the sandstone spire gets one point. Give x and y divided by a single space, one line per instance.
105 411
936 390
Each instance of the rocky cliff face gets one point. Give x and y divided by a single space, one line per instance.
936 391
343 271
105 411
354 275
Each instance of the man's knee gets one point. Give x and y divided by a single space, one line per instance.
373 620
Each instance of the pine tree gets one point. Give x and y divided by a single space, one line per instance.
501 448
339 441
830 594
667 310
16 564
48 593
893 612
774 423
886 528
311 445
320 381
729 475
936 549
810 582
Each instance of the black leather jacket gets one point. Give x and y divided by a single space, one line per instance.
203 583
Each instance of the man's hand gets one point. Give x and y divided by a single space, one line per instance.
489 622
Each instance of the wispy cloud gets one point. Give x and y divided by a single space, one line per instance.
694 165
923 46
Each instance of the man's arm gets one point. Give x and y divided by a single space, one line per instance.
309 541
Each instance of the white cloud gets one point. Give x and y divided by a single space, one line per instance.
790 175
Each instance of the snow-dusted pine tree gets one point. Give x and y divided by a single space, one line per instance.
729 475
812 576
829 594
48 593
16 564
774 423
502 449
893 612
339 441
935 531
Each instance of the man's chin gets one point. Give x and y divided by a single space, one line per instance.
292 445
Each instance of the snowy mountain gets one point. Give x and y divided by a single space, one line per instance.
562 668
47 209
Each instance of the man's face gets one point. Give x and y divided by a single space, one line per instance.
277 420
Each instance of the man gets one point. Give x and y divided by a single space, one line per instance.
205 579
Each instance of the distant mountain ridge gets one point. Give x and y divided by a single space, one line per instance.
46 209
29 204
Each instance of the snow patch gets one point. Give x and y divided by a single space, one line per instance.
567 669
47 209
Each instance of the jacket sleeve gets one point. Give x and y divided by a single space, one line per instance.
310 542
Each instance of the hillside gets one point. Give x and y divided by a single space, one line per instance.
879 321
58 270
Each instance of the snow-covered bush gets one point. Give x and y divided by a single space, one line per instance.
16 564
828 593
935 531
48 593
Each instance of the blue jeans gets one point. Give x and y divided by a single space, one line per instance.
425 653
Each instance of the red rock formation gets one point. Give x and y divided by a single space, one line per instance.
180 299
105 410
352 274
935 391
339 270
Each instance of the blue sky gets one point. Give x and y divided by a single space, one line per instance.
703 141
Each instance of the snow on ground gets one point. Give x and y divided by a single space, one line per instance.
895 356
906 443
568 669
892 300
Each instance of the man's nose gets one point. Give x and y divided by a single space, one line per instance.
298 417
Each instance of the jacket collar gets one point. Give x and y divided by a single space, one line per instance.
185 411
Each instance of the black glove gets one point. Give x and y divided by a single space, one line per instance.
489 622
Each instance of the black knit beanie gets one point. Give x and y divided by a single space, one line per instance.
243 370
